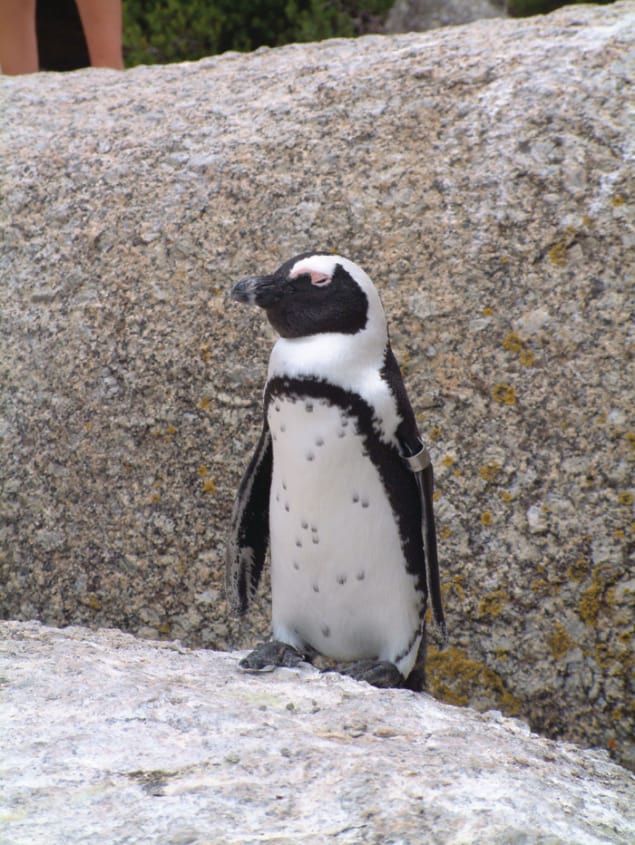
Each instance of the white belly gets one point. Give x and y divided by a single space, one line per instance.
339 579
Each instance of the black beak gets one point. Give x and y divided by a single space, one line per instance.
264 291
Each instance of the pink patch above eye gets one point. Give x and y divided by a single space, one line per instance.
320 280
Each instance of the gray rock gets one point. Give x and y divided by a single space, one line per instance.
421 15
488 191
110 739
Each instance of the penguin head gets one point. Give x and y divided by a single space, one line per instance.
314 293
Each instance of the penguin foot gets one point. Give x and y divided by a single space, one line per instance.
382 674
269 656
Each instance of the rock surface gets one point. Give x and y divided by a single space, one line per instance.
110 739
487 189
421 15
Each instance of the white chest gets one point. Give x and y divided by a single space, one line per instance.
339 578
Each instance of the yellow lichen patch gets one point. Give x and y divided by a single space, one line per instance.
447 461
504 394
513 343
625 498
453 676
506 496
164 628
487 311
202 470
457 582
445 532
617 200
436 495
209 486
578 570
560 642
493 603
558 254
539 585
205 353
527 358
487 519
489 471
589 604
92 601
204 403
434 433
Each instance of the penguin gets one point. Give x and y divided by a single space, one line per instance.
340 485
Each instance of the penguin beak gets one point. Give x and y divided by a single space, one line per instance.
264 291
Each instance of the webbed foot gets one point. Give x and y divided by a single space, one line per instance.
380 673
269 656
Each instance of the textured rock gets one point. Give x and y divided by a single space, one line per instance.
420 15
489 193
189 750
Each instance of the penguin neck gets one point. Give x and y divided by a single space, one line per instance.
338 358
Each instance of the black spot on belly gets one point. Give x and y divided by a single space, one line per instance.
277 408
361 575
341 579
326 631
296 565
298 543
315 539
310 456
308 407
319 441
305 524
341 433
286 507
355 498
316 588
284 485
365 503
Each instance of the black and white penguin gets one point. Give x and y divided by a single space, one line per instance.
339 485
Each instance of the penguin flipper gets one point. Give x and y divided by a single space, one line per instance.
417 458
248 535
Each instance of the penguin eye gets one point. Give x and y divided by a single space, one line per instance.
320 280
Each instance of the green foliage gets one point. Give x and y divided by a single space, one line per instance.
184 30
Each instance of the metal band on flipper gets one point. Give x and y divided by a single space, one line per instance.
418 462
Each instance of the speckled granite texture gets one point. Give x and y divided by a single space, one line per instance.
114 740
483 176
